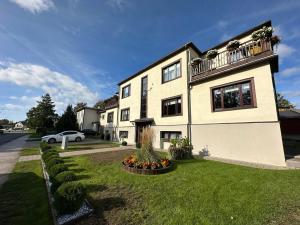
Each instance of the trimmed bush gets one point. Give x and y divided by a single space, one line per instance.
53 161
69 197
124 143
49 154
56 169
66 176
44 146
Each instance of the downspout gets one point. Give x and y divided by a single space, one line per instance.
189 128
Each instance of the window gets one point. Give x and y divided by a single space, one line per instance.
125 114
169 135
102 116
171 106
123 134
234 96
144 93
126 91
171 72
110 117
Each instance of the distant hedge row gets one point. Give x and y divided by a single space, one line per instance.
68 193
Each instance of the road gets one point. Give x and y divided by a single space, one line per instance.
7 137
9 153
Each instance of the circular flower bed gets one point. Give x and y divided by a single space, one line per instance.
132 165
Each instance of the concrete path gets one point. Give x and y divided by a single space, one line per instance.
75 153
9 154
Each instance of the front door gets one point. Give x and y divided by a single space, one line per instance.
139 130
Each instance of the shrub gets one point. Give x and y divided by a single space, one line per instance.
56 169
41 131
66 176
44 146
49 154
53 161
181 149
107 136
69 197
138 145
124 143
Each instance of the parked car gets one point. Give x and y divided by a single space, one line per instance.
72 136
89 132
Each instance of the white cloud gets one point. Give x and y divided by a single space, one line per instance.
285 51
291 71
62 88
11 107
35 6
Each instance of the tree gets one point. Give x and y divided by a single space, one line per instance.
4 122
68 120
100 104
43 115
80 105
282 102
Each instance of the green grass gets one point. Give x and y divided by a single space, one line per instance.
35 135
196 192
88 146
30 151
23 198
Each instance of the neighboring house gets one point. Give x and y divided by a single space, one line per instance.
226 105
290 121
88 118
19 126
109 117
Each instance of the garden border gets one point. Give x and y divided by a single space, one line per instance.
148 171
67 218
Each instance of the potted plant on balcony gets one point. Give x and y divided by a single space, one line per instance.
195 61
275 40
264 33
211 54
233 45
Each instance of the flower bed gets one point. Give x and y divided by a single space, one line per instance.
150 171
66 196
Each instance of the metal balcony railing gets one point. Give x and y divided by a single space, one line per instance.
228 57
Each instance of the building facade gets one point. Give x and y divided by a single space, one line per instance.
222 99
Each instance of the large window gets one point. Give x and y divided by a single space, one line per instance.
234 96
169 135
171 106
171 72
123 134
110 117
126 91
125 113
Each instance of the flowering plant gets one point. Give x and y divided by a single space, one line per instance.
263 33
165 162
232 45
211 53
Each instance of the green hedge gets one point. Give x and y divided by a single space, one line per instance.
69 197
44 146
53 161
56 169
63 177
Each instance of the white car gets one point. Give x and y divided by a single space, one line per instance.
72 136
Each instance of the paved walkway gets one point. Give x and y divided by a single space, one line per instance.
9 154
75 153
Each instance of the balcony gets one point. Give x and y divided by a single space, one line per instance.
247 54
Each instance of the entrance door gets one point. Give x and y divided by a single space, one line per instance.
139 130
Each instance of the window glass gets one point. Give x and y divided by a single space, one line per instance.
171 72
237 95
171 106
123 134
125 114
126 91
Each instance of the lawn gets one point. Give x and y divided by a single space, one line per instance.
195 192
23 198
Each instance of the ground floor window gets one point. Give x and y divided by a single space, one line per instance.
234 96
125 114
169 135
123 134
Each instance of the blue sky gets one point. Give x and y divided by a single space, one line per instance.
78 50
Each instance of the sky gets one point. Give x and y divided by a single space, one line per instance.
78 50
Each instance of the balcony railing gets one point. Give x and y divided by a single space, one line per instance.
245 51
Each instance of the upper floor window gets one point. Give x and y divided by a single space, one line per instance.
171 106
171 72
125 113
234 96
110 117
126 91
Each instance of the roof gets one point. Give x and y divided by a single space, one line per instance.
289 114
86 107
246 33
170 55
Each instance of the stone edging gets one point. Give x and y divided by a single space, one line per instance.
148 171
